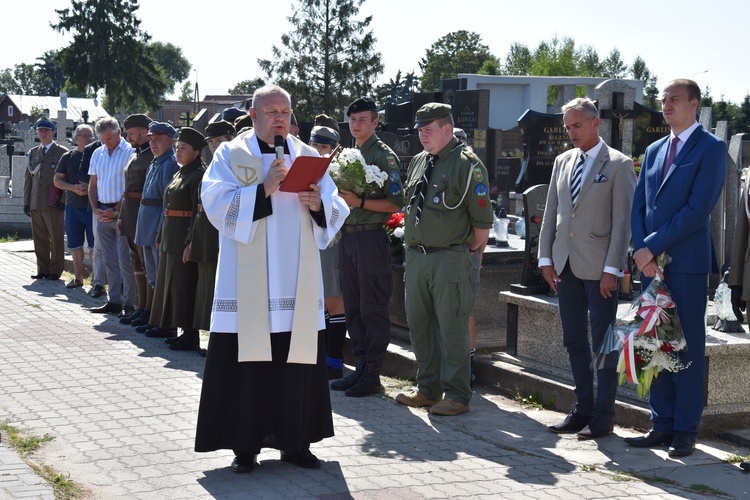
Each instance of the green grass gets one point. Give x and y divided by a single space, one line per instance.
21 441
588 468
702 488
736 458
9 238
530 402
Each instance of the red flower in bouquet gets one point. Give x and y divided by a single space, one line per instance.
396 220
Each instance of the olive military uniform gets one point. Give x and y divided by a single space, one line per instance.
176 281
204 251
47 223
365 261
439 277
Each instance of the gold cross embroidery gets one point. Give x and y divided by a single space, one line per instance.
250 175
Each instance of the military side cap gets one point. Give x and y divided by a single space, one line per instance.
324 135
231 114
162 128
219 128
327 121
191 136
431 112
243 122
44 123
361 104
139 120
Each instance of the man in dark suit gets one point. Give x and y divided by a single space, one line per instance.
583 246
682 176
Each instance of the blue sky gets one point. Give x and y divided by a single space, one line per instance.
706 41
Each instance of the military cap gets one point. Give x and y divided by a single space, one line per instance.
219 128
327 121
138 120
231 114
191 136
431 112
163 129
243 122
44 123
324 135
361 104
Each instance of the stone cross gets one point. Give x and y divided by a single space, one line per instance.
63 126
616 99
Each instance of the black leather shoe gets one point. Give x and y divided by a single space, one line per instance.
244 463
161 333
128 319
39 276
142 319
126 312
682 445
53 277
649 440
97 291
172 340
596 432
144 328
304 459
574 422
108 308
745 466
185 345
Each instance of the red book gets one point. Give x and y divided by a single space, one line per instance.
304 171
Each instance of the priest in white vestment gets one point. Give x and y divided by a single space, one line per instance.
265 380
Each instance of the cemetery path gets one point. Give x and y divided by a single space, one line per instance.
122 409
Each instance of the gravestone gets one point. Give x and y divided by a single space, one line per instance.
507 171
406 146
471 111
64 128
648 127
532 281
544 137
615 99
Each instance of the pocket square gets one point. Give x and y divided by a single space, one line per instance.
600 178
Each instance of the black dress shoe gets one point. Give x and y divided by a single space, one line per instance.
172 340
97 291
244 463
304 459
144 328
574 422
108 308
128 319
682 445
39 276
53 277
161 333
596 432
185 345
142 319
745 466
126 312
649 440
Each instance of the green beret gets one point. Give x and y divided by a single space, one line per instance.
243 121
361 104
327 121
219 128
138 120
431 112
193 137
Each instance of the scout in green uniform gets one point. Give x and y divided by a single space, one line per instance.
47 214
177 277
448 216
365 259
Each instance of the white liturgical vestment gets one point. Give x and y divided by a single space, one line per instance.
229 197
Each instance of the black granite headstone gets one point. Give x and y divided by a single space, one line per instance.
470 111
507 171
648 126
532 281
544 138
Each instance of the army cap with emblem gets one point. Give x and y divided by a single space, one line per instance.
219 128
431 112
191 136
361 104
44 123
162 128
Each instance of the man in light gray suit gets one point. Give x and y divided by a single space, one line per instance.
583 247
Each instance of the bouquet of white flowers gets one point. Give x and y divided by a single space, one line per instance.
350 172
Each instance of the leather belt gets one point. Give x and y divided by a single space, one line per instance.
151 203
425 250
177 213
200 207
133 195
352 228
105 206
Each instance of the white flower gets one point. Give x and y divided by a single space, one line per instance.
398 232
334 168
373 175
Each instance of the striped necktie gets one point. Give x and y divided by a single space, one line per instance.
577 180
421 188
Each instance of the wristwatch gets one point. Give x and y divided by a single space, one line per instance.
117 214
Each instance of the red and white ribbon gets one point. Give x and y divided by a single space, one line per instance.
629 353
652 311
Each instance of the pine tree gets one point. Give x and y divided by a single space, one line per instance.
327 60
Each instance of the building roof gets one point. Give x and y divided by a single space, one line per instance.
75 105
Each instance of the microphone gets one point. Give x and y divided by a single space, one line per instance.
278 145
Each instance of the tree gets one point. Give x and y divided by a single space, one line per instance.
109 51
743 116
559 57
247 86
327 59
8 84
589 63
173 64
614 67
457 52
397 90
187 92
639 71
518 61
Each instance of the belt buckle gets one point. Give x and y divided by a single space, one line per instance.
421 249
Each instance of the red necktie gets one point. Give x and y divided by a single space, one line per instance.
670 156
